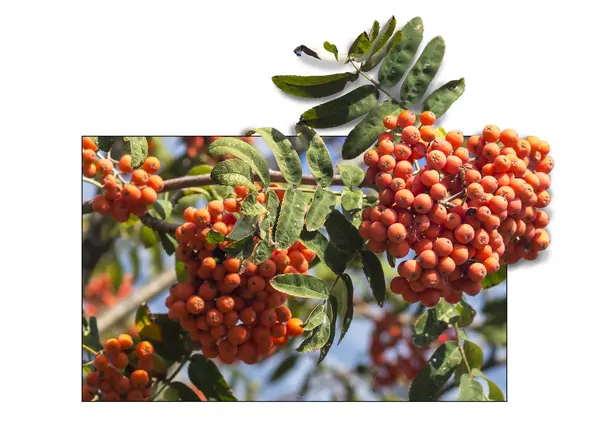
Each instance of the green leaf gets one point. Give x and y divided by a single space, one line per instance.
334 311
431 379
495 334
422 73
432 323
440 100
342 234
251 207
380 39
474 356
374 32
374 273
215 237
342 110
315 318
322 205
467 313
398 59
283 368
137 147
242 151
352 200
180 271
314 86
349 314
241 249
317 155
285 155
316 241
317 337
105 143
470 390
167 242
115 271
390 259
495 312
330 47
245 226
495 392
291 218
266 226
92 339
491 280
233 172
262 252
205 375
352 176
148 237
374 60
162 208
142 317
182 391
300 285
133 219
200 170
134 256
360 46
368 129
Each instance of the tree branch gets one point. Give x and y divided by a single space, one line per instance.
205 179
159 225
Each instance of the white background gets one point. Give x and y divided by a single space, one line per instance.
73 68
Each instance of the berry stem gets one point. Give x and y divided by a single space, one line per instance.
462 350
92 181
115 172
85 347
374 82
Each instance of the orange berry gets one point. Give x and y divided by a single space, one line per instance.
139 379
406 118
125 164
491 133
294 327
390 122
427 118
101 362
139 177
144 349
89 144
237 334
151 165
120 360
148 196
104 167
156 183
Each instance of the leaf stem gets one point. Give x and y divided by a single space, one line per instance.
373 81
462 350
85 347
92 181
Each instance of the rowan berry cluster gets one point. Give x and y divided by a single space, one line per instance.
472 207
227 305
394 355
99 294
121 371
120 198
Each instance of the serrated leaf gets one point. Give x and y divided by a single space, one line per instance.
137 147
467 313
317 337
352 176
316 241
349 313
268 222
431 379
470 390
167 242
182 391
215 237
162 208
322 205
432 323
491 280
376 58
242 151
291 218
301 286
241 249
342 110
315 318
205 375
251 207
105 143
398 59
368 129
313 86
440 100
342 234
245 226
262 252
380 39
474 356
352 200
317 155
422 73
374 32
233 172
330 47
283 368
285 155
374 273
495 392
360 46
333 305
